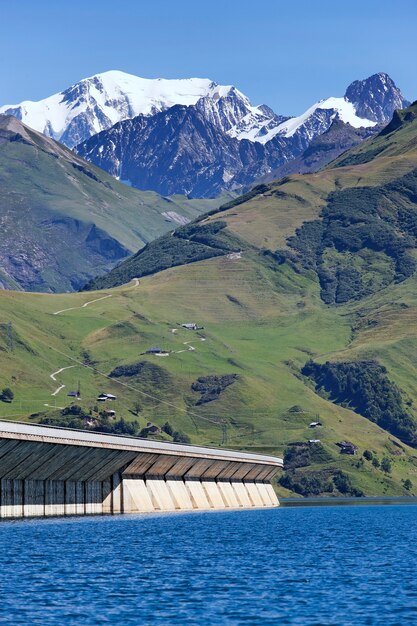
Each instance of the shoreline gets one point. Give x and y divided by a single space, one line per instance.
350 501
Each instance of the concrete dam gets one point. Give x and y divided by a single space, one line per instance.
56 471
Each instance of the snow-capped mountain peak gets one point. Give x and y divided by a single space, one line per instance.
341 107
232 112
365 104
100 101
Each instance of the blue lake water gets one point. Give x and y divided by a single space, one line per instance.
319 565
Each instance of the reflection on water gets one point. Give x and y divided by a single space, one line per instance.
298 565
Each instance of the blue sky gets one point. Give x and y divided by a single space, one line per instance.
285 54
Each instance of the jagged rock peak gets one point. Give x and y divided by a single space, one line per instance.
376 98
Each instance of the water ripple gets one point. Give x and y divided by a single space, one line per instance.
301 566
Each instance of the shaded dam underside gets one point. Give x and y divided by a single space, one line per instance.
49 471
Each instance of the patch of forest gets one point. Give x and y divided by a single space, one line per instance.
365 387
363 240
211 387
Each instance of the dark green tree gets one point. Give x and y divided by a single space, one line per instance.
180 437
386 465
167 428
73 409
7 395
368 455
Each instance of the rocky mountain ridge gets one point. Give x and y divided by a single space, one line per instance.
206 148
215 145
194 136
179 149
100 101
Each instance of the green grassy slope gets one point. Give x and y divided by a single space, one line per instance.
64 220
260 324
264 317
396 140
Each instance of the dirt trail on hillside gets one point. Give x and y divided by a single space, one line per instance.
53 376
189 348
110 295
73 308
83 305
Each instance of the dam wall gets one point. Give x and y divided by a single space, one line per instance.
48 471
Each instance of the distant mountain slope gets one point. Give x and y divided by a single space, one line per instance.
224 144
179 150
354 224
63 219
187 244
397 139
323 149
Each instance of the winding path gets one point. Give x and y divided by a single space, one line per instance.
53 376
83 305
189 348
73 308
53 406
110 295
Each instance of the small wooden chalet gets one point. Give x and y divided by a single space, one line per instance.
347 447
